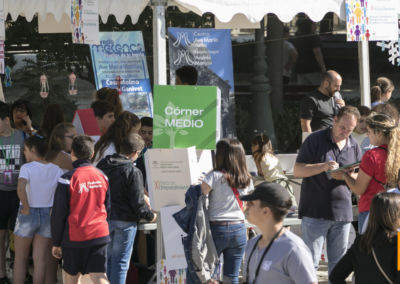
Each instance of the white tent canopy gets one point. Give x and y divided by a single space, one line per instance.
119 8
224 10
255 10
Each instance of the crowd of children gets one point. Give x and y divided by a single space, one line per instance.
59 205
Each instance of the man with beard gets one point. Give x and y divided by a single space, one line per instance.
318 109
325 203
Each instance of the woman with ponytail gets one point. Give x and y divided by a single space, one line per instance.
381 92
379 166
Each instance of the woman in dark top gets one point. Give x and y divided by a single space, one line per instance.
381 238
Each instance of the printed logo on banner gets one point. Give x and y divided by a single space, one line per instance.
210 52
85 21
207 48
371 20
119 62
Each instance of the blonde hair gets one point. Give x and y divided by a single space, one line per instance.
388 127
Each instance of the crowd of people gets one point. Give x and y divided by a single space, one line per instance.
59 205
67 197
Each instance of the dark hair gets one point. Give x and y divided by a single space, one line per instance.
39 143
279 213
384 216
102 93
382 85
264 146
146 121
4 110
22 104
83 147
364 110
388 109
131 143
56 141
101 108
231 160
112 96
52 116
120 128
188 74
348 110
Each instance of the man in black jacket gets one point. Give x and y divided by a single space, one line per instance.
127 204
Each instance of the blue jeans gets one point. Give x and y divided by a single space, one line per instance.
120 250
37 222
362 216
336 234
230 240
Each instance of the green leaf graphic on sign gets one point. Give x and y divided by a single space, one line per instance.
185 116
158 121
167 127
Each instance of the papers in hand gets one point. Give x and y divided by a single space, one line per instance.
352 165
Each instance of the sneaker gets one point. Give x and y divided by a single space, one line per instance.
5 280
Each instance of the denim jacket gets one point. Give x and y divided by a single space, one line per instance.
201 254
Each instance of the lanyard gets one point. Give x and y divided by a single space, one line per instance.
262 257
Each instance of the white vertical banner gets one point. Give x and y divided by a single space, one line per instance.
172 234
2 24
85 21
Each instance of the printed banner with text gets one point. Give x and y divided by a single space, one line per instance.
85 21
186 116
371 20
119 62
210 52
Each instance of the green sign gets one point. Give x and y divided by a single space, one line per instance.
186 116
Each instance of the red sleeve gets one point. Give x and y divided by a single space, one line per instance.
368 163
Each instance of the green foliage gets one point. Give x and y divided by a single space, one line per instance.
287 128
287 125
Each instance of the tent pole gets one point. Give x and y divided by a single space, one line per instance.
363 67
159 43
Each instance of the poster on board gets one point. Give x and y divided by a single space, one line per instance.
170 172
85 21
174 253
119 62
186 116
371 20
210 52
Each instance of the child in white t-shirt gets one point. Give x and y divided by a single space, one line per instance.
37 183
